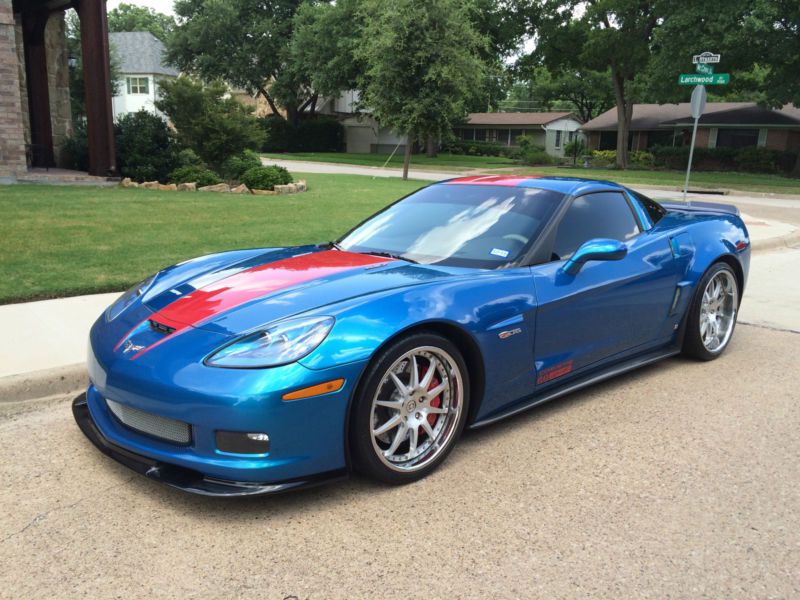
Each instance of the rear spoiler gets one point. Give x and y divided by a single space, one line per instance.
694 206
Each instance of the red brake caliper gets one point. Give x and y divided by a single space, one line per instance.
436 402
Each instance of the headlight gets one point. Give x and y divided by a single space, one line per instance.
128 298
279 344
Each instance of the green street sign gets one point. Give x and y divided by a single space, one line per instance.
698 79
704 68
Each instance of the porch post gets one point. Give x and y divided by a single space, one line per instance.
97 82
33 25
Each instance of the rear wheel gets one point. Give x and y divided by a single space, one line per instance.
410 410
712 316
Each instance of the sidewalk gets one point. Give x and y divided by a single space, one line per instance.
49 336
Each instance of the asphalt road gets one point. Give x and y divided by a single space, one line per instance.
679 480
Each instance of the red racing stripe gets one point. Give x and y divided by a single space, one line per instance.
238 289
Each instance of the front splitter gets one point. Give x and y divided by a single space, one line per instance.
187 480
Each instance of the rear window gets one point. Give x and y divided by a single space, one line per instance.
654 210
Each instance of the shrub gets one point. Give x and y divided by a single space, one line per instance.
604 158
574 149
197 174
757 160
277 134
477 148
236 166
266 178
76 148
535 155
188 158
321 134
641 158
215 126
146 149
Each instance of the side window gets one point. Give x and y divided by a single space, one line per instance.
654 210
602 215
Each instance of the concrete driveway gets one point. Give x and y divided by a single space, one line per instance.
680 480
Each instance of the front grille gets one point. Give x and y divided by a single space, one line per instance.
169 430
160 327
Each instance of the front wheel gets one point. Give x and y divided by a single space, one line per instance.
410 410
712 316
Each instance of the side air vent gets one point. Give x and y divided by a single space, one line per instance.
160 327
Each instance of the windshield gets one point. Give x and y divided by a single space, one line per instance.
481 226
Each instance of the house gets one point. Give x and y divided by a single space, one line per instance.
724 124
36 117
551 130
363 134
139 57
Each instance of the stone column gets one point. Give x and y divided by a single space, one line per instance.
12 141
55 40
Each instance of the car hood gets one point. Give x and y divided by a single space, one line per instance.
274 285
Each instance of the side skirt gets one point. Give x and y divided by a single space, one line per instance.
582 382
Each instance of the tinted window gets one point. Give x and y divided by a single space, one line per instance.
482 226
654 210
604 215
737 138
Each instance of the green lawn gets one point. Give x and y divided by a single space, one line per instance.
747 182
63 241
444 162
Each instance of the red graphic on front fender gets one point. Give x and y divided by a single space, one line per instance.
220 296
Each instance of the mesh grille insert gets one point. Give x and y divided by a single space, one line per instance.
156 426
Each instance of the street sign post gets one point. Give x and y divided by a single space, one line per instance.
698 106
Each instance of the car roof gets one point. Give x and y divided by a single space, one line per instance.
565 185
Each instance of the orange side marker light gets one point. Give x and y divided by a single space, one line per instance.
315 390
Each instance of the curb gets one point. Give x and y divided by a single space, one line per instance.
778 243
41 384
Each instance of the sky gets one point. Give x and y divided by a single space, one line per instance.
162 6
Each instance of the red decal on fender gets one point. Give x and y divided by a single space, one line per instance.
554 372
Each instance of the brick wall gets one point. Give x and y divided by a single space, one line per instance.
12 142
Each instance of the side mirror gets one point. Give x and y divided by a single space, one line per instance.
599 249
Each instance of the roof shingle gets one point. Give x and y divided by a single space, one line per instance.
140 52
517 118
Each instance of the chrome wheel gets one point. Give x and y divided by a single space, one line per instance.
718 311
416 408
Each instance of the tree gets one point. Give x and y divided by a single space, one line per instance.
208 121
128 17
613 35
588 92
421 64
759 41
246 43
324 45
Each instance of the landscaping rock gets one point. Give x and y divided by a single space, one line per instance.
301 185
220 187
187 187
286 189
240 189
264 192
151 185
128 183
168 187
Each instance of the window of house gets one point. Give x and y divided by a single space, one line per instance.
558 139
737 138
502 136
571 136
480 135
138 85
468 134
515 133
602 215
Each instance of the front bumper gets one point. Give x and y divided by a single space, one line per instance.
183 478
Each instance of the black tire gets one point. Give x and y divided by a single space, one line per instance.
365 448
693 345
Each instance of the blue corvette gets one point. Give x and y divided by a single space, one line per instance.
258 371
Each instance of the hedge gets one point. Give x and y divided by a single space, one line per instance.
321 134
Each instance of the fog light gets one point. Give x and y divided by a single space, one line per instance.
242 443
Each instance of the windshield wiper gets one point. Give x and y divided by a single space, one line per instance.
390 255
